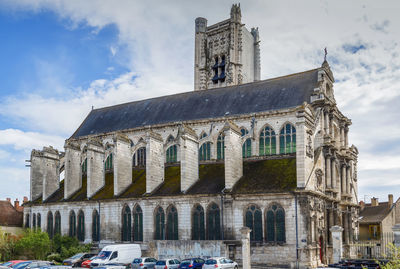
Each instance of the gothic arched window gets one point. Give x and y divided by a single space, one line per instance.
221 147
172 154
205 152
246 148
172 224
170 139
254 222
95 226
137 224
159 221
287 139
244 131
27 220
108 165
81 226
39 220
139 158
198 228
203 135
213 222
275 222
84 166
57 223
72 224
126 224
33 220
267 142
50 228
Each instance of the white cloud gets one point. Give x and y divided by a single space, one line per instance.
158 37
20 140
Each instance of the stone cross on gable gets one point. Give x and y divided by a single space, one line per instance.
326 53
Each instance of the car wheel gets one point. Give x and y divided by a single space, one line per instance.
236 267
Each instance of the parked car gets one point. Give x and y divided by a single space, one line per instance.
143 263
31 264
193 263
56 267
122 253
220 262
112 266
11 263
77 259
86 264
167 264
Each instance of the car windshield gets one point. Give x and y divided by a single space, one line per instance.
160 263
77 256
211 262
103 255
185 262
21 265
137 260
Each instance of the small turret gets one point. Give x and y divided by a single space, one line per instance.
236 14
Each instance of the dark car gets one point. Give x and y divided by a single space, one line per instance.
77 259
193 263
31 264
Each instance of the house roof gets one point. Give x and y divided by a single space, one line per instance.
261 96
9 216
374 214
259 176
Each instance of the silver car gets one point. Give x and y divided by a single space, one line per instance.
220 262
167 264
143 263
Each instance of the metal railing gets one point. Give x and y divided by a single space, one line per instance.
379 247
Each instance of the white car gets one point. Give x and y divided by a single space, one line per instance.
220 262
167 264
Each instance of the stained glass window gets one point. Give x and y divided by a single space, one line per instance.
205 152
172 224
27 221
50 227
213 222
267 145
244 131
81 226
95 226
254 222
137 224
72 224
34 221
221 147
126 224
198 229
203 135
275 222
39 220
287 139
57 223
159 223
139 158
172 154
246 148
84 166
108 165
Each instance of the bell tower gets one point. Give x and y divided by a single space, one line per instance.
226 53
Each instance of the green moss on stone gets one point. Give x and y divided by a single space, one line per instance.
138 186
172 181
80 194
211 179
106 192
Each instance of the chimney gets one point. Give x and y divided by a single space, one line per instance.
374 201
390 200
9 200
362 205
16 204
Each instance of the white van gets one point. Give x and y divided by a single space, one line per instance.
123 253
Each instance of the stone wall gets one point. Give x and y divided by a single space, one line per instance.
95 167
73 170
122 163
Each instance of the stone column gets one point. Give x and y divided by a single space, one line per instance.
328 170
36 174
189 148
326 125
245 231
72 181
333 172
396 232
348 179
331 125
323 122
343 178
342 136
154 161
122 163
337 247
95 166
51 175
346 137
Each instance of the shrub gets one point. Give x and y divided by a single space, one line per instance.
54 257
34 244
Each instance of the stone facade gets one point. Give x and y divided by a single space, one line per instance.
289 166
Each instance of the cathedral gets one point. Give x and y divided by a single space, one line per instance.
182 174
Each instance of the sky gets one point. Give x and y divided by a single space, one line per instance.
58 59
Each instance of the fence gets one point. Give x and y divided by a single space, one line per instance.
379 248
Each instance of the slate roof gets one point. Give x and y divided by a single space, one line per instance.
374 214
272 94
9 216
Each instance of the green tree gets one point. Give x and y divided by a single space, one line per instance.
34 244
7 245
394 261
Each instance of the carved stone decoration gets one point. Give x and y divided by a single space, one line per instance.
355 173
309 147
319 176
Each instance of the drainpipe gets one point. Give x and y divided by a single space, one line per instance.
297 233
222 213
98 202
